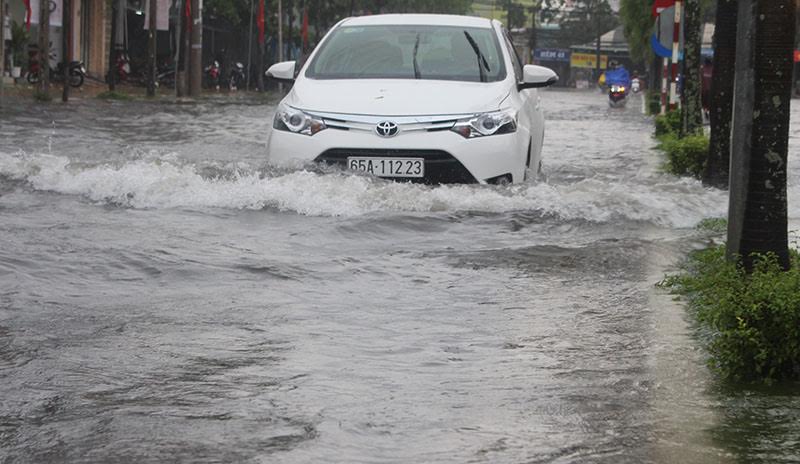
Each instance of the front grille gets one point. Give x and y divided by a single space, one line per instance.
440 166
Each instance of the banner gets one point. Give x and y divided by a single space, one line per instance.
56 14
162 14
551 54
588 60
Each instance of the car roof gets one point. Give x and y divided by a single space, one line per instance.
418 20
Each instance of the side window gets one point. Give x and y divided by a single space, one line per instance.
515 59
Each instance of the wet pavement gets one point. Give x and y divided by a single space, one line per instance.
165 296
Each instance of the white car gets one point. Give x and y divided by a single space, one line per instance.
425 98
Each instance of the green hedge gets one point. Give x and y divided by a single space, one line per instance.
668 124
753 320
686 156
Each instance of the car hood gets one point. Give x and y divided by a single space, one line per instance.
397 97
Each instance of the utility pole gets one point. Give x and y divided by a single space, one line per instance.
757 215
290 15
44 47
249 47
112 50
187 47
676 43
177 59
197 48
280 31
151 49
66 49
2 50
280 38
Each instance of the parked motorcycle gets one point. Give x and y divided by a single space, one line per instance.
165 75
76 70
212 73
237 76
617 96
636 85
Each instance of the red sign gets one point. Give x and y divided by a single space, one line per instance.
661 5
797 56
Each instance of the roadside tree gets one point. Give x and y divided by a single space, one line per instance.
758 221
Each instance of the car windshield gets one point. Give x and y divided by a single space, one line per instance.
410 52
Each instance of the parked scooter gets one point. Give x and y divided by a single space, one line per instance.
212 73
76 70
636 85
237 77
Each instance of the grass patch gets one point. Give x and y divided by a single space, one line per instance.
715 225
753 320
685 156
40 96
114 95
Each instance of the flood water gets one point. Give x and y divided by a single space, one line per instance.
165 296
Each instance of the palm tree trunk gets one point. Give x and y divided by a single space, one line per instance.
721 110
758 206
692 106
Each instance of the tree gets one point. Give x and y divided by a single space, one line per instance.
515 15
692 106
587 20
764 59
721 105
636 16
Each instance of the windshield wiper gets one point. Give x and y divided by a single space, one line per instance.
417 74
481 59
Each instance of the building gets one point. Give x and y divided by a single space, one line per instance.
90 30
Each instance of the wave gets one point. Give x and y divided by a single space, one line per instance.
166 182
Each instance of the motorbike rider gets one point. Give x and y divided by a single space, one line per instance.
617 75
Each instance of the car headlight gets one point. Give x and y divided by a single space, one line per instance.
293 120
480 125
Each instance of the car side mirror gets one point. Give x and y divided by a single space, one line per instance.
282 72
535 77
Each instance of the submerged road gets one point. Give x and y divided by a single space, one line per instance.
166 297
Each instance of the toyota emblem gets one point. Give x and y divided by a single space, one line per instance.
386 129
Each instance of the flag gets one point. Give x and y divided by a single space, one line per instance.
188 13
260 22
28 14
304 30
661 5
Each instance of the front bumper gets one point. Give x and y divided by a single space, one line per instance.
449 157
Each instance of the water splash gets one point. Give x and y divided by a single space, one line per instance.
166 182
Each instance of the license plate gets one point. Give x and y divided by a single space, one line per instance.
388 167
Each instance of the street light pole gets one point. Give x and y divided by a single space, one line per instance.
197 48
151 50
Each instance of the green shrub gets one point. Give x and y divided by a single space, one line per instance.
668 124
686 156
753 320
